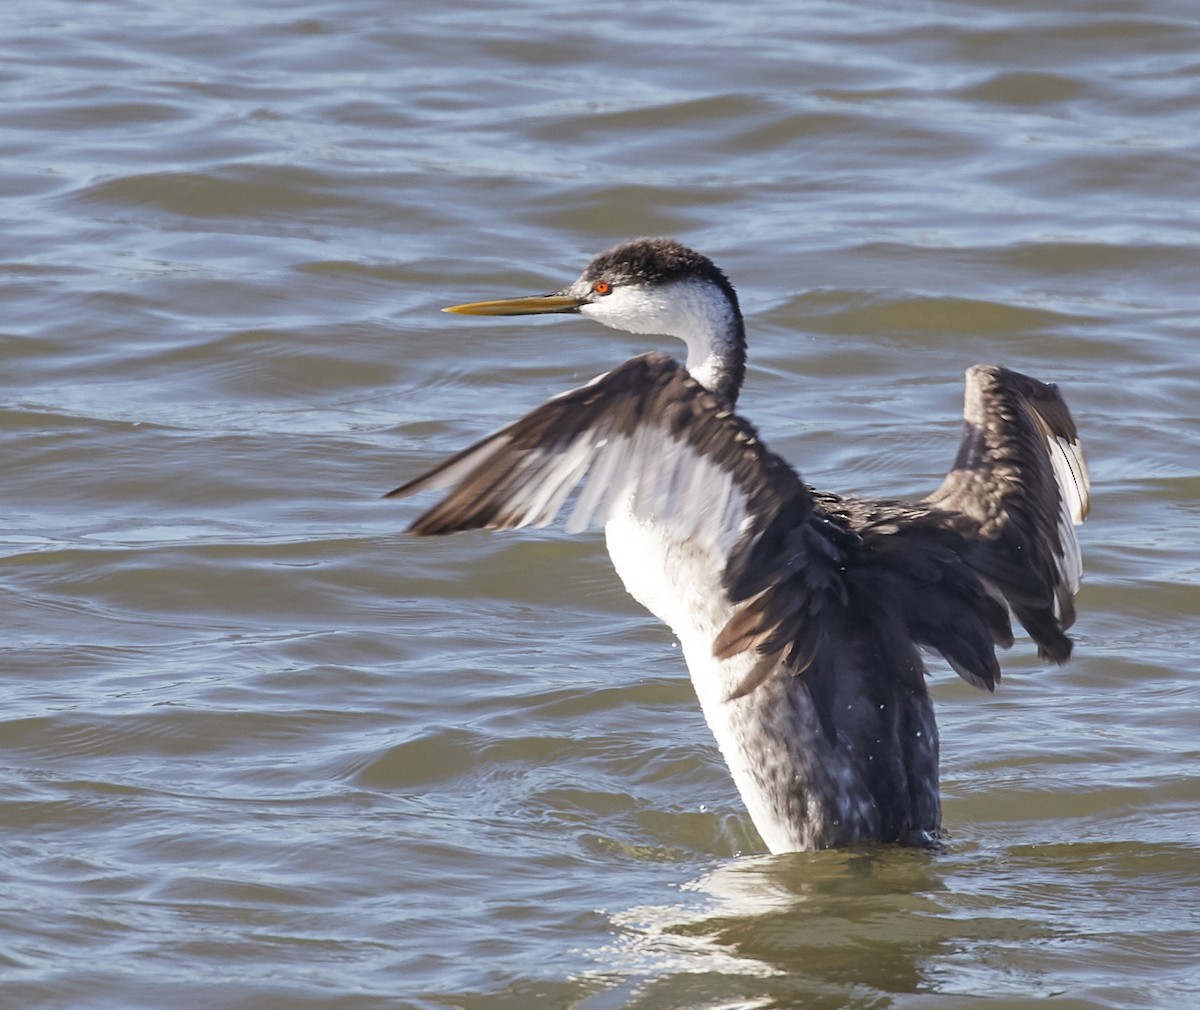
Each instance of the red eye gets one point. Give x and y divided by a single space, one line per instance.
602 287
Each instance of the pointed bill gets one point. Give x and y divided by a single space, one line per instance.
529 305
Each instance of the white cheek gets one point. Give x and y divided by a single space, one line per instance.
695 312
629 309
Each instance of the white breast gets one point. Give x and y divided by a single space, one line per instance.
763 739
680 583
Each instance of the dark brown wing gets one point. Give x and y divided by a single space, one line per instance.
1020 486
645 435
942 573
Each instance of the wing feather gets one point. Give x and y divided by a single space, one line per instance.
1021 483
645 433
603 487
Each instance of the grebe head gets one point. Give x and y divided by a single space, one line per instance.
652 286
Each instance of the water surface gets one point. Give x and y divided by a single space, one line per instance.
260 750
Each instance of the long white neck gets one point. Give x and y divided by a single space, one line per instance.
695 311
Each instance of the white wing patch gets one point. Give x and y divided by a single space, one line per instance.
653 476
540 499
1070 470
1071 476
603 487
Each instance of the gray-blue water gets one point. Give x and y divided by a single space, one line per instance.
260 750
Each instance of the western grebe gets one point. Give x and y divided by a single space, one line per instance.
800 613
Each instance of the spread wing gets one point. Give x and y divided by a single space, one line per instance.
942 573
1020 484
645 434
